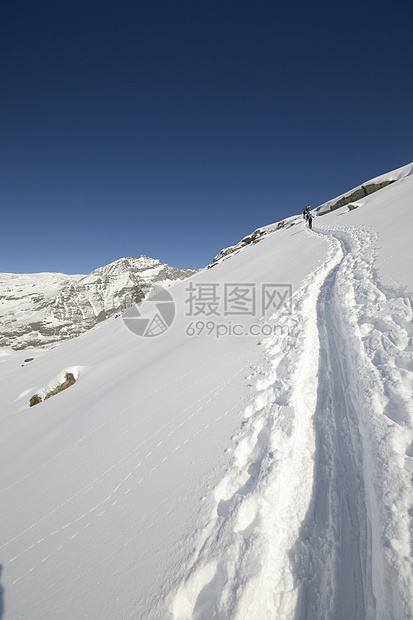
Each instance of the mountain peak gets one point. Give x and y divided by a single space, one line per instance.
37 309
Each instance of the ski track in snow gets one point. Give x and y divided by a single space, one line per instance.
310 520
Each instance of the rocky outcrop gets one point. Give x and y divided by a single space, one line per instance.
248 240
255 237
35 400
358 194
69 380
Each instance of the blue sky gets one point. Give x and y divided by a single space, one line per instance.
173 128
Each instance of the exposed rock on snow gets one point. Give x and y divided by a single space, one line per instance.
361 192
254 238
366 189
69 380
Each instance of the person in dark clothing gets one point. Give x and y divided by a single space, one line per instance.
310 221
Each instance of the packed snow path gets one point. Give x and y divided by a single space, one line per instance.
311 520
334 535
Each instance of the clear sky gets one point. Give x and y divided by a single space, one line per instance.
173 128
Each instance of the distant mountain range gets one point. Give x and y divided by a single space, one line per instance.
41 308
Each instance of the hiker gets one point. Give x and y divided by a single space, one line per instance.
310 221
304 213
307 213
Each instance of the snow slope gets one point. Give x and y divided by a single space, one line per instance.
266 475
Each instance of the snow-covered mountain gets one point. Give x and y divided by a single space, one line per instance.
40 308
254 460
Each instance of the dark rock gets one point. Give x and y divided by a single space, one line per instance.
69 380
358 194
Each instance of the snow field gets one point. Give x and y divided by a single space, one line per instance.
226 479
